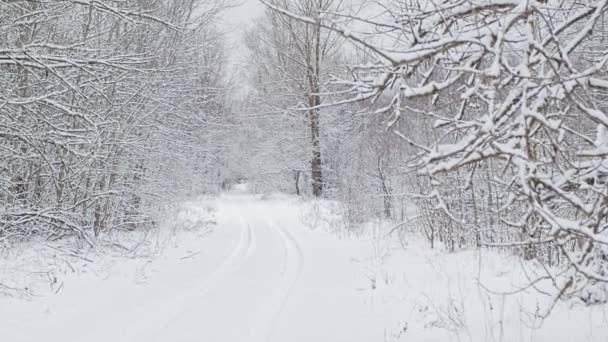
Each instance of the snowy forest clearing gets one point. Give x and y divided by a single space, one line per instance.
263 272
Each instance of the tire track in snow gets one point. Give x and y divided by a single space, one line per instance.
292 269
241 253
175 304
237 258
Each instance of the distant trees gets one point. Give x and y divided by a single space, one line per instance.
101 106
359 162
290 64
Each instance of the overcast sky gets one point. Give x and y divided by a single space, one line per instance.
237 19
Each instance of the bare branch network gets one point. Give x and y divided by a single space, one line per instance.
105 110
504 105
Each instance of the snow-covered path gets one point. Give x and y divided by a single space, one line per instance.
280 282
259 276
243 295
262 275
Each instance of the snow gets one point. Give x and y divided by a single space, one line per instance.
602 136
252 268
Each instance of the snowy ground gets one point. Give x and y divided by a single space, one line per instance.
262 274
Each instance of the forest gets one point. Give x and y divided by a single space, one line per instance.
464 125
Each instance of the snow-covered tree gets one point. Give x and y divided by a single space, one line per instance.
290 65
508 100
100 105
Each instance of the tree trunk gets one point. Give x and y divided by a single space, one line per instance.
387 200
314 100
297 179
316 164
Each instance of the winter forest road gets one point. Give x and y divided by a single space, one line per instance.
278 282
244 296
261 275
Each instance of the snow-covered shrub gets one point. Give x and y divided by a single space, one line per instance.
325 215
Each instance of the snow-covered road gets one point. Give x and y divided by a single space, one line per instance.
243 296
279 282
263 275
259 276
